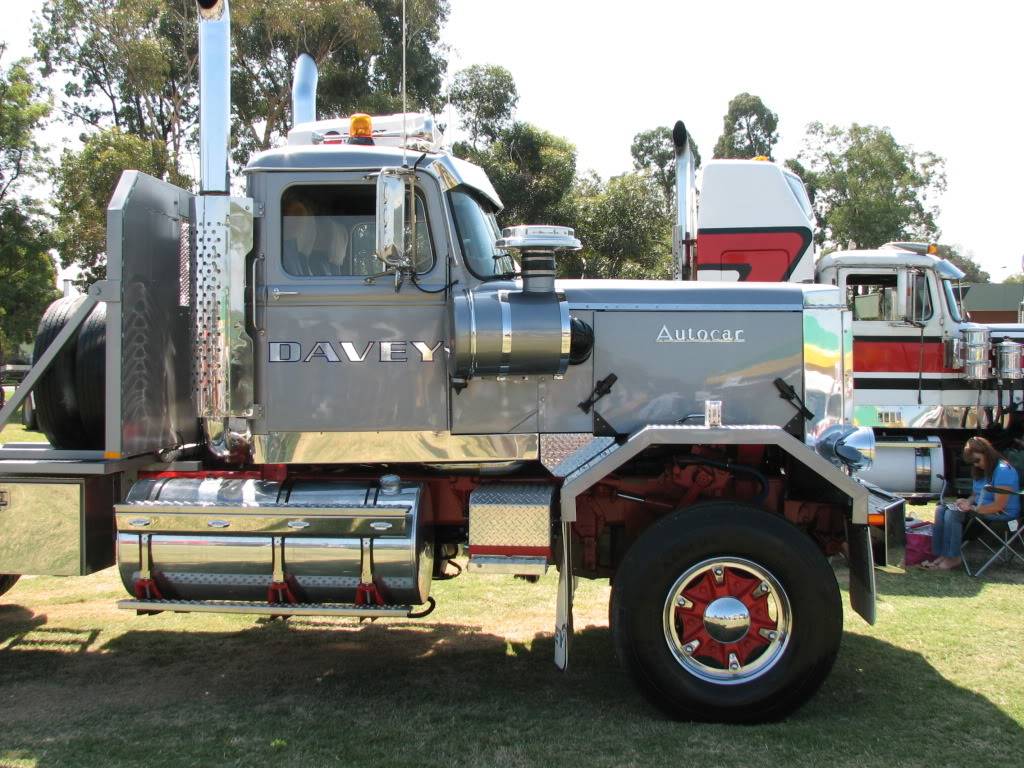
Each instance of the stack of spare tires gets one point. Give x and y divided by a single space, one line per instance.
69 398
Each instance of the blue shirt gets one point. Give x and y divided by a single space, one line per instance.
1005 476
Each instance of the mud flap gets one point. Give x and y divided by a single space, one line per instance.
563 604
862 571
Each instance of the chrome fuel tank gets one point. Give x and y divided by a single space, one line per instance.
227 539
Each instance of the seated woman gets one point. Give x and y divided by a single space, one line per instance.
988 467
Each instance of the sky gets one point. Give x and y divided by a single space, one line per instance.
943 77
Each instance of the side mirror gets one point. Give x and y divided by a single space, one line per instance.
391 194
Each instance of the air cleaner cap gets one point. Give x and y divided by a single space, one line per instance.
528 237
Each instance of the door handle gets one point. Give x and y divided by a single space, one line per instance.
252 284
278 293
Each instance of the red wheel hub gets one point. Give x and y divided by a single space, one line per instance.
712 586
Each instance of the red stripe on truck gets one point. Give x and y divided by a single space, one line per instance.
898 357
476 549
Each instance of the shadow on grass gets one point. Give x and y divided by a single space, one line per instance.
312 692
918 582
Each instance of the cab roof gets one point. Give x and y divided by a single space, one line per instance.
890 257
448 170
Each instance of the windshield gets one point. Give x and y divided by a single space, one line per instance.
478 230
951 301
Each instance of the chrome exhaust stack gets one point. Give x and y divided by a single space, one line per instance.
214 95
222 351
304 84
684 233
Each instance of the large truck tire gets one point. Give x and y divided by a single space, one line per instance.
56 401
723 612
90 374
7 581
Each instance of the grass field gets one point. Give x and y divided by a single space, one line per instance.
939 681
14 432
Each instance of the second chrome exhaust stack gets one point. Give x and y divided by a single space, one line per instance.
304 90
214 95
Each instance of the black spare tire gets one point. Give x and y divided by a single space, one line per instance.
56 401
90 374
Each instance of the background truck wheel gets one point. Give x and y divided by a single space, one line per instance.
723 612
56 401
28 414
7 581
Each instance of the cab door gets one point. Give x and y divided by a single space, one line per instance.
340 350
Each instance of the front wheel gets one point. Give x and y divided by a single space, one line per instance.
724 612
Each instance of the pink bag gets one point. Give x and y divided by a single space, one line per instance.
919 543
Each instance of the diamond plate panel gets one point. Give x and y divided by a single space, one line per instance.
563 453
510 515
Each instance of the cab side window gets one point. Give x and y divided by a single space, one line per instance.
872 297
330 230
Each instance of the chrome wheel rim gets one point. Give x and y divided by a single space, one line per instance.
727 620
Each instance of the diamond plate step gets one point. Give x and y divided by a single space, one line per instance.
266 609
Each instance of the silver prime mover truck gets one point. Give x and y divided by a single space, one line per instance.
309 400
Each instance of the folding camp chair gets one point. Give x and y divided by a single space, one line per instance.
1004 539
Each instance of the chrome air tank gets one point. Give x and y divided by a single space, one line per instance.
908 466
221 538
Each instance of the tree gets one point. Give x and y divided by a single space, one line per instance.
964 260
26 271
85 181
486 97
749 129
1014 279
625 229
868 188
27 277
127 64
533 172
654 154
132 64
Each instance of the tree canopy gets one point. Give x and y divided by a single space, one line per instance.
964 259
625 228
132 64
85 181
749 129
869 189
654 154
532 170
486 97
26 271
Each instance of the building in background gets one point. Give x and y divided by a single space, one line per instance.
993 302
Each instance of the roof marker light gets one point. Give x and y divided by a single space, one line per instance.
360 129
